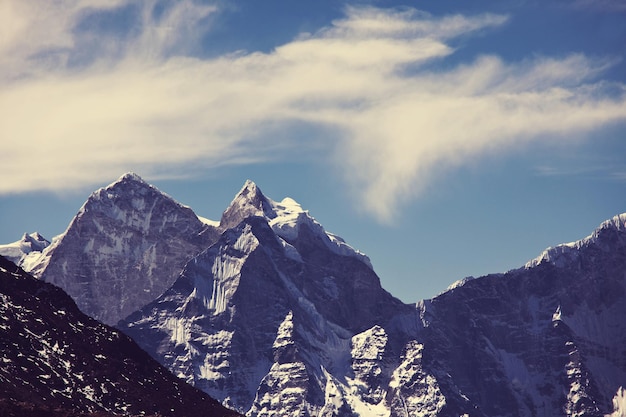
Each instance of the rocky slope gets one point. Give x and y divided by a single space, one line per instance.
56 361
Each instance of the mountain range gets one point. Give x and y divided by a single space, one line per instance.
272 315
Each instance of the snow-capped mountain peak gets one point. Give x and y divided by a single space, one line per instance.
35 240
23 251
128 186
131 176
286 218
289 220
272 315
564 253
128 178
249 201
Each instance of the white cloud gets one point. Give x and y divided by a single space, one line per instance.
156 111
44 28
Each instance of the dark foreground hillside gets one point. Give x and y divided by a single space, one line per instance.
56 361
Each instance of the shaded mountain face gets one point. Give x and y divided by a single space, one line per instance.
58 361
124 248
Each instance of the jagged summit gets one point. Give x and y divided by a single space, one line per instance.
33 242
128 177
129 241
34 238
249 201
286 218
273 315
127 183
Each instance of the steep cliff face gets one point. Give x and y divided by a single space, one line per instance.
124 248
57 361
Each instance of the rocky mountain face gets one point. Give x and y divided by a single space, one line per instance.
275 319
56 361
263 320
274 316
125 247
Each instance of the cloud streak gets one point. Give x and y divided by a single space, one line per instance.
148 104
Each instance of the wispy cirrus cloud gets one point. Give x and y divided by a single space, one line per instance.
393 123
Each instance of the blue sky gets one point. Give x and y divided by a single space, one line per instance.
443 139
